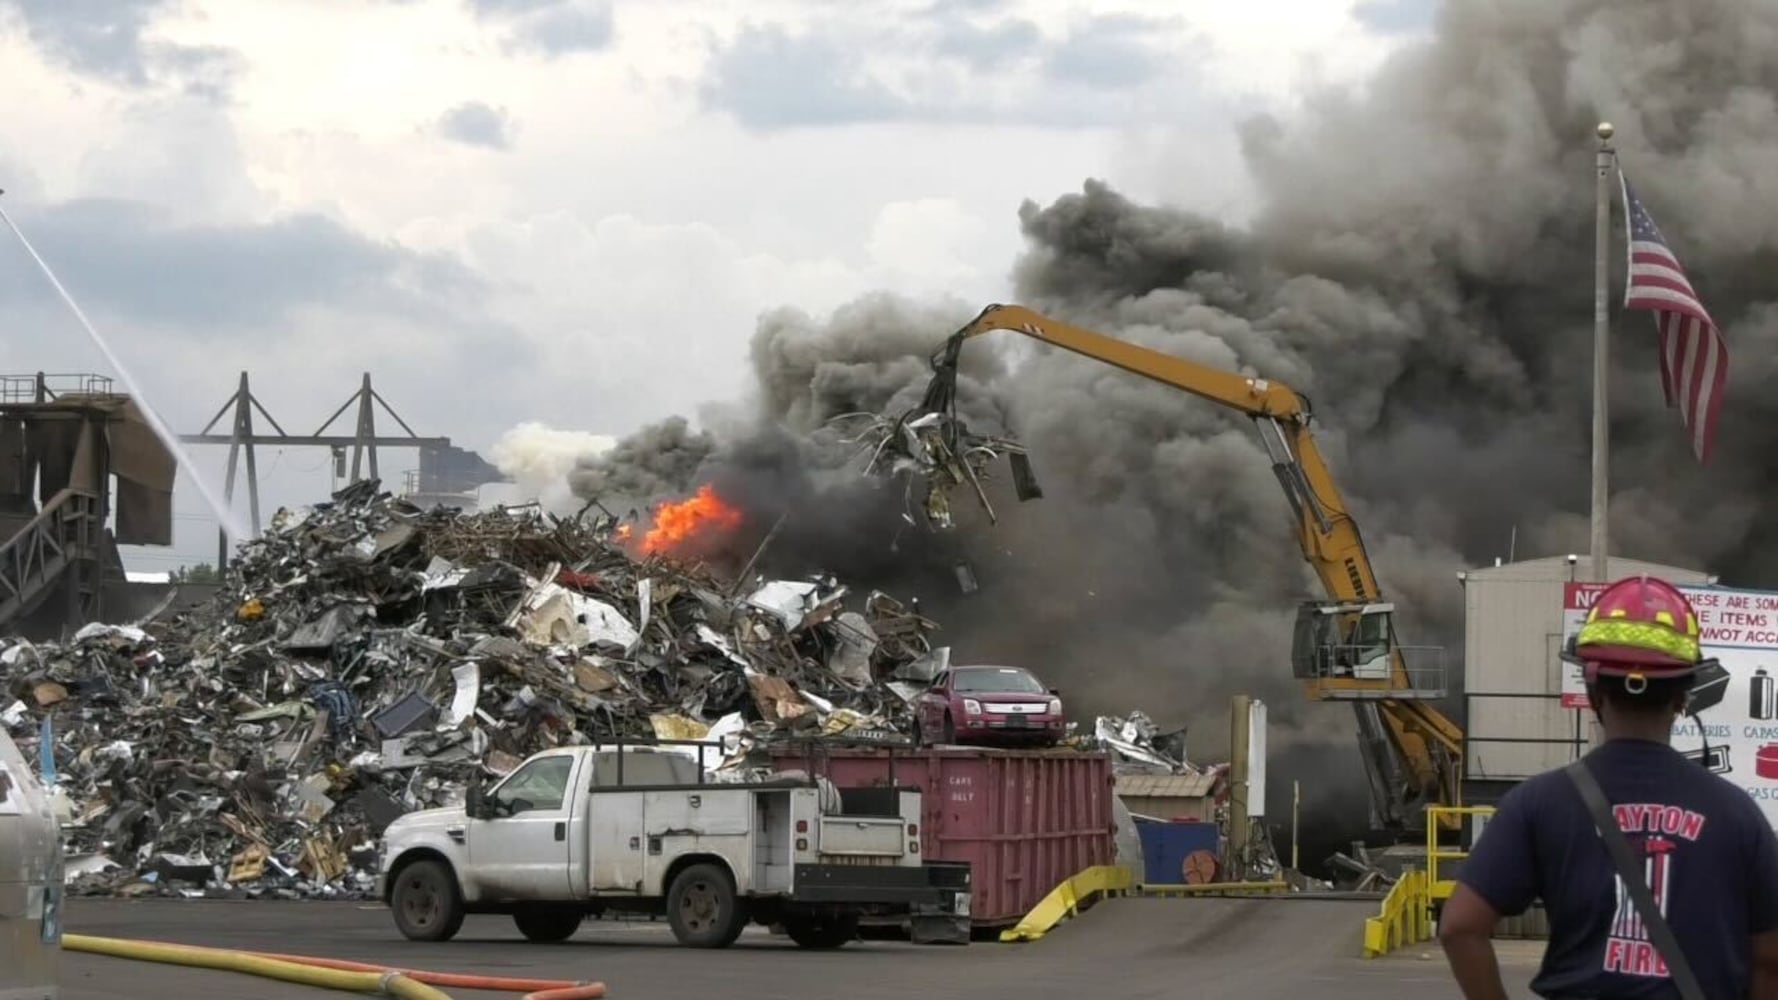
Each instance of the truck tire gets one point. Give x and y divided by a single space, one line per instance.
548 923
426 902
950 731
704 909
824 933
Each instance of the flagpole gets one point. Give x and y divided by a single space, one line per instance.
1605 161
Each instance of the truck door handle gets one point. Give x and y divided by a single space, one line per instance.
561 831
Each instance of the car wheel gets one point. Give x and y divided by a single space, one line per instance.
703 908
426 903
950 734
823 933
548 923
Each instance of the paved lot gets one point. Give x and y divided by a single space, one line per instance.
1127 948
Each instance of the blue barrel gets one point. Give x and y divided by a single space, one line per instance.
1165 847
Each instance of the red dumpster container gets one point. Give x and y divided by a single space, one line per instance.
1025 820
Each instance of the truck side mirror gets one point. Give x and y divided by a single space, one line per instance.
475 804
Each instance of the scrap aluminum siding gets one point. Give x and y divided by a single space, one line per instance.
1025 820
1512 635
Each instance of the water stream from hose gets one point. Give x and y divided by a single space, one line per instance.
231 521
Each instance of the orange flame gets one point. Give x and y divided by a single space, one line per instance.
677 523
624 531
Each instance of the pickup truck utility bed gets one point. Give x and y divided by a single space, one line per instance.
586 830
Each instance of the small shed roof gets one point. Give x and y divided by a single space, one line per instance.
1166 786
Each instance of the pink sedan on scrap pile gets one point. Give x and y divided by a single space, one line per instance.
989 704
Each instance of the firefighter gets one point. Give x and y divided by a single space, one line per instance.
1710 857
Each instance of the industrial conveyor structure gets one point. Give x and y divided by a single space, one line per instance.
81 472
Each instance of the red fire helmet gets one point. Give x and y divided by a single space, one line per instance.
1641 628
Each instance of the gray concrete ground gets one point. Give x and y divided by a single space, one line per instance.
1125 948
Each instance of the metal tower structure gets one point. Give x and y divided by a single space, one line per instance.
242 438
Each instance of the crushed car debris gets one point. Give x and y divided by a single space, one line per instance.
1139 747
930 443
367 657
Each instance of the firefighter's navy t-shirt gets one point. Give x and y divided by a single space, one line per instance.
1712 865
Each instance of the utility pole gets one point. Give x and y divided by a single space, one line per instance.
1240 712
1606 162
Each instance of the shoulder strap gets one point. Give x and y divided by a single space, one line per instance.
1630 870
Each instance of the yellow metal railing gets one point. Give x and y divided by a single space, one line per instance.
1064 900
1406 914
1214 888
1406 917
1438 888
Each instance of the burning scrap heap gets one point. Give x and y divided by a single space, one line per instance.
367 657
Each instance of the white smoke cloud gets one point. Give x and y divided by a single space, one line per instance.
538 459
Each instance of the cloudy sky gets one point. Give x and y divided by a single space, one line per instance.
571 211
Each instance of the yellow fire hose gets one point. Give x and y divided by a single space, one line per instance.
331 973
390 983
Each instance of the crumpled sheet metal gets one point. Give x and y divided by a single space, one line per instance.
1139 746
937 449
366 657
551 615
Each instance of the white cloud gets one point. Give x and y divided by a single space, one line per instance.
932 245
313 220
538 459
121 43
477 123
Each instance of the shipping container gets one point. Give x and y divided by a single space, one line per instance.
1025 820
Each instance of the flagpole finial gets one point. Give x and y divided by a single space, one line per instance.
1606 130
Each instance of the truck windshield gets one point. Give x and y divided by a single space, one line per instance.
996 680
540 784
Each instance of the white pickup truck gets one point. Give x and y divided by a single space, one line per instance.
580 831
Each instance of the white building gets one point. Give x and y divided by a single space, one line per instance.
1514 722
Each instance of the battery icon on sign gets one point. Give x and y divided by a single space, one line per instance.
1762 699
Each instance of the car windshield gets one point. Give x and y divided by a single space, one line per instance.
996 680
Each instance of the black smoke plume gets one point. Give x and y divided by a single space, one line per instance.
1421 268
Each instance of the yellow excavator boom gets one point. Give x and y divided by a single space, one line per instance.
1413 752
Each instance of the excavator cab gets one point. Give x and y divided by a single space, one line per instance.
1349 652
1343 641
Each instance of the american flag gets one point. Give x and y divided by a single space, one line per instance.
1694 357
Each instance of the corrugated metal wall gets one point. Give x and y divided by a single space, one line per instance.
1512 637
1025 820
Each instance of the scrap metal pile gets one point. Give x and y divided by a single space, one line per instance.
368 657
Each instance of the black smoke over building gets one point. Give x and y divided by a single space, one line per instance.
1421 268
